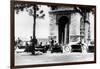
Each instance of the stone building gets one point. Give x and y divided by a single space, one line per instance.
68 25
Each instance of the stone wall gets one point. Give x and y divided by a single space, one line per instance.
75 27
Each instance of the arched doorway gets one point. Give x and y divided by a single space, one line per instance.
63 30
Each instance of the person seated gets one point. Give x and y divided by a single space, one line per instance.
40 44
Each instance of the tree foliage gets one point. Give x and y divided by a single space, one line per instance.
30 9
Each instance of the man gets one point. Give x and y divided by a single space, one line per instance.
52 43
33 44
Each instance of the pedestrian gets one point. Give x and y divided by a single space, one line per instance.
31 40
19 42
40 44
33 44
52 43
27 47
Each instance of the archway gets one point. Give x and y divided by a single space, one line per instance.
63 23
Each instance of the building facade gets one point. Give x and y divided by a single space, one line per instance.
68 25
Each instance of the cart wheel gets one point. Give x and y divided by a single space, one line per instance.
67 49
84 49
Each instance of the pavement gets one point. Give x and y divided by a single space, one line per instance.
24 58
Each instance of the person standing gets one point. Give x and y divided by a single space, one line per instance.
33 44
52 43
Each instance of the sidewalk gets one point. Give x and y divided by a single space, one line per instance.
48 58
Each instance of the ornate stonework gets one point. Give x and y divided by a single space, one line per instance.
73 30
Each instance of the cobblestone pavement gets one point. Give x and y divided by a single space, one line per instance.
48 58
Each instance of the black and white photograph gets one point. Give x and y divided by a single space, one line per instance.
51 33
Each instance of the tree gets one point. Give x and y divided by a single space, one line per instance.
32 10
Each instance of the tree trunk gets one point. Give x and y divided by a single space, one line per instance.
34 27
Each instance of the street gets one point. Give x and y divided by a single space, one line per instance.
48 58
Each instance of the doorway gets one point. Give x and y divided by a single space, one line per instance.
63 30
